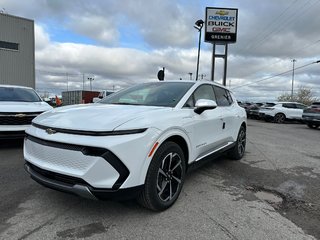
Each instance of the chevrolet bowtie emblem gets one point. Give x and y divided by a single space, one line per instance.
51 131
222 12
20 115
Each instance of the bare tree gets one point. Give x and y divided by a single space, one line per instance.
303 95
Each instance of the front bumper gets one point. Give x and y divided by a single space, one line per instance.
311 118
266 116
104 162
12 131
92 164
77 186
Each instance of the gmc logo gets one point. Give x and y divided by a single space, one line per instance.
222 30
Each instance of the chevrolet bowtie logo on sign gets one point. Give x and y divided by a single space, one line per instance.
51 131
222 12
20 115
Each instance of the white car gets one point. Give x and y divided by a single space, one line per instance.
281 111
18 106
138 142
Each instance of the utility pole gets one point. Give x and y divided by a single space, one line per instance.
292 83
83 81
67 82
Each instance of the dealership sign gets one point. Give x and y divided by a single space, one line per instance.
221 25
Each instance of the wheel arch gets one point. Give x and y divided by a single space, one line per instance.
181 142
177 136
278 113
244 124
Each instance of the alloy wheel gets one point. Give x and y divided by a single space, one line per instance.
279 118
241 142
169 177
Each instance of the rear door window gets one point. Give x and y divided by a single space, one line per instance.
289 105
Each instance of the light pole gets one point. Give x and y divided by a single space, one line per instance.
198 26
293 61
90 79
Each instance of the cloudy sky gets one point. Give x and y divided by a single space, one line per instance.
121 43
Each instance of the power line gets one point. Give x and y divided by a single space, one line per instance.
275 62
265 37
277 75
59 74
288 21
269 25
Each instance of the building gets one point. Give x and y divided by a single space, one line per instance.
17 60
78 97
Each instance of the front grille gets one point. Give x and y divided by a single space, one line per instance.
57 176
69 157
11 134
17 118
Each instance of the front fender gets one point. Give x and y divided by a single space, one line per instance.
170 132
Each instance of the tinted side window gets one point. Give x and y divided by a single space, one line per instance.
229 97
223 97
203 92
289 105
300 106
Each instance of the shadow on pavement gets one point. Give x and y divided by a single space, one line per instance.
11 143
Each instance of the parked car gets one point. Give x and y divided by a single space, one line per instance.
253 110
311 115
102 94
138 142
18 106
282 111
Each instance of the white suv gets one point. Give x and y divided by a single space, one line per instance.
138 142
18 106
282 111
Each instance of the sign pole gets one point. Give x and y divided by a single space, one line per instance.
225 65
213 61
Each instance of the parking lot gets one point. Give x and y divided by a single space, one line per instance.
272 193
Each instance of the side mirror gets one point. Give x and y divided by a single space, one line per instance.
204 104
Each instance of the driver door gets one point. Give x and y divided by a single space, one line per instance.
206 127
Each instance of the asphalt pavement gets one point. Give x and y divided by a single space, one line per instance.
272 193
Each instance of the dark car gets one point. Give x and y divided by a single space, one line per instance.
311 115
253 111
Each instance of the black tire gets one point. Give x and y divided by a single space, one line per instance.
165 178
267 119
237 152
313 126
279 118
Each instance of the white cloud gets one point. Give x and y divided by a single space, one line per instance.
96 27
137 38
42 38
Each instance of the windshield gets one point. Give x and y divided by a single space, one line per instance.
164 94
14 94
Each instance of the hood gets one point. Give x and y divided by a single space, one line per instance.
92 117
24 107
